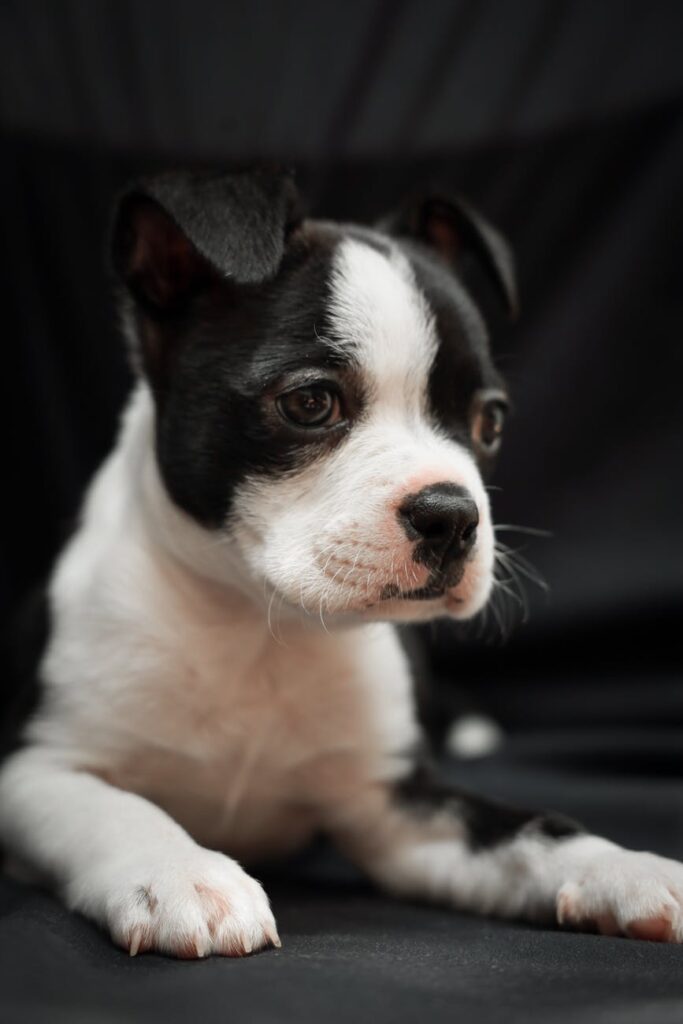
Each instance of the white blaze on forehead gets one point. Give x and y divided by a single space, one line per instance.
380 317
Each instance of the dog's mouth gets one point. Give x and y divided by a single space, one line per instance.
430 592
441 582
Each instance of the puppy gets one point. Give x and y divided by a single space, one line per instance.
300 466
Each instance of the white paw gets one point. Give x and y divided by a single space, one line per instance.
620 892
187 907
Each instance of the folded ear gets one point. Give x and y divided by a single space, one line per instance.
456 231
175 233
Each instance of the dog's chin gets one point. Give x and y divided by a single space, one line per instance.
460 602
400 609
424 607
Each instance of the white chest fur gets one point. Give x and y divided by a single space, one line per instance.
247 732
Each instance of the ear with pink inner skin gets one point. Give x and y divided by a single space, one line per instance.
455 231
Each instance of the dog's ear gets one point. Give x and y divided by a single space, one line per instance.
178 232
457 233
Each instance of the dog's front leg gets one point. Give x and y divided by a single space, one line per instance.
423 839
120 860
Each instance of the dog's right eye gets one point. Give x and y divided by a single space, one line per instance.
488 420
313 406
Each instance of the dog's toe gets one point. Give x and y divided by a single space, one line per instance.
190 910
637 895
653 929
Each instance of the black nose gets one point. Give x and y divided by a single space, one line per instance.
444 517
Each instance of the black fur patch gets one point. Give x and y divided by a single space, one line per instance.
487 823
225 357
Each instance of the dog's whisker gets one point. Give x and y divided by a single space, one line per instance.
510 584
331 556
345 580
514 582
367 586
533 531
325 595
278 618
268 616
524 567
512 606
501 586
496 614
516 601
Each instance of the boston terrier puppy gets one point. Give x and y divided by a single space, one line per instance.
300 466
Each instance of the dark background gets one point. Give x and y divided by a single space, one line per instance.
563 121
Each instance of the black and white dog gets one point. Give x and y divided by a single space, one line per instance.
299 466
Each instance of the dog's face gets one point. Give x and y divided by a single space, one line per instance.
325 394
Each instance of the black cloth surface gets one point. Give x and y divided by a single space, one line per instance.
563 122
352 954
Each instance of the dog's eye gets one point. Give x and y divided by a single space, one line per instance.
487 429
312 406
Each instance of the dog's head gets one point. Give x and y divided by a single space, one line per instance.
325 395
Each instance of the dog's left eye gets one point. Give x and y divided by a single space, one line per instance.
312 406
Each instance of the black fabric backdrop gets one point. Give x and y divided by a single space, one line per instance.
563 121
